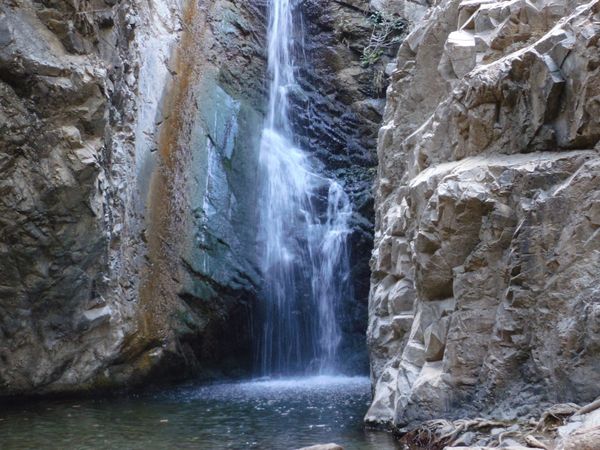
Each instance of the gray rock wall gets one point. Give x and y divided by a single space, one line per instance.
118 261
484 295
66 98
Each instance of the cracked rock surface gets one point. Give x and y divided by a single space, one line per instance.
485 296
94 293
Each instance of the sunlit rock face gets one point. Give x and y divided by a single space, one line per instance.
485 287
127 191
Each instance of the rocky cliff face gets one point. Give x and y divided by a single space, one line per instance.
120 158
62 71
484 296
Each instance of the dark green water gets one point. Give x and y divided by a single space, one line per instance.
281 414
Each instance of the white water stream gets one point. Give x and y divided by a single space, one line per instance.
304 223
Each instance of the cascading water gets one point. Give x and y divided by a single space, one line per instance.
304 230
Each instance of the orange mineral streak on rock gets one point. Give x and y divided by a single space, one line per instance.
166 203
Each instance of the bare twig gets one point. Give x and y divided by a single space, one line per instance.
533 442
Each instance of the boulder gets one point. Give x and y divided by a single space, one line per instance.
323 447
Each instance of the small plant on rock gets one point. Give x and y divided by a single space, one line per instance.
387 32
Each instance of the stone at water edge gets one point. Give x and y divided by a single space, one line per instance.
323 447
582 439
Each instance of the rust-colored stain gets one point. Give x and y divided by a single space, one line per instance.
167 204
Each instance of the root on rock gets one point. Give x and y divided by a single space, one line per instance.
556 416
590 407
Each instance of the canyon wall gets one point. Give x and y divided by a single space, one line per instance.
62 70
127 190
201 278
485 295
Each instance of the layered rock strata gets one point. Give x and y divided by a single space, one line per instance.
484 296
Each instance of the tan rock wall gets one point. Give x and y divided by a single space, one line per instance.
103 142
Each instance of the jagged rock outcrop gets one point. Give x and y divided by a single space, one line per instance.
485 296
108 131
62 72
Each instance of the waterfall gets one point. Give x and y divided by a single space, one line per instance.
304 228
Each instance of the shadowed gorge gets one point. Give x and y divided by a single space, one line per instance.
274 224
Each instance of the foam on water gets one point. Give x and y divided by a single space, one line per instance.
280 388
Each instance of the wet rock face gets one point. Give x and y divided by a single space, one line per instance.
101 171
201 279
484 295
338 113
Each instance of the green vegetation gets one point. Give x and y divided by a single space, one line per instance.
387 32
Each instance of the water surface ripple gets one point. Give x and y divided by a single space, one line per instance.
271 414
